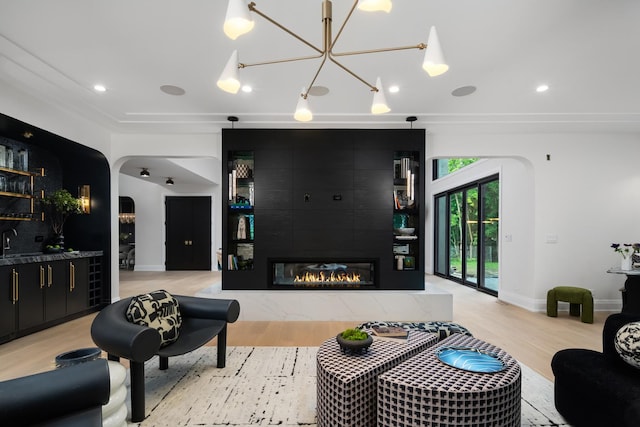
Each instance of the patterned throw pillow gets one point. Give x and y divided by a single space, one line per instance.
627 343
443 329
158 310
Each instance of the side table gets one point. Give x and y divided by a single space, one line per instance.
631 289
425 391
347 384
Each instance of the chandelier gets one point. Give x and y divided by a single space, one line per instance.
238 22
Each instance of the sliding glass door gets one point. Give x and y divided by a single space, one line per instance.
490 233
466 234
456 209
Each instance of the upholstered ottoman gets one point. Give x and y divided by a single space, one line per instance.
347 384
440 328
576 297
423 391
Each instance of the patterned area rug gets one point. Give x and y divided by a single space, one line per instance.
265 386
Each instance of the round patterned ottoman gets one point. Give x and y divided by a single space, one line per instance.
423 391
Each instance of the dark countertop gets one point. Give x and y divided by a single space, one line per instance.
14 259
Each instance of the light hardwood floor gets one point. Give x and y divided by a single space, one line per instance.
532 338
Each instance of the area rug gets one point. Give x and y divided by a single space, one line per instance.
267 386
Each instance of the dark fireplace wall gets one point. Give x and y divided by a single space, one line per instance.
323 193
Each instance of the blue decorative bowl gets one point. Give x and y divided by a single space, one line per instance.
470 359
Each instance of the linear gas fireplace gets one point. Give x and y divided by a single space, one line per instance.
323 274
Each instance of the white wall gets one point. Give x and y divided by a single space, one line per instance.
586 196
23 107
149 198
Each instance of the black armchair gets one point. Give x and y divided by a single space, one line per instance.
598 389
202 320
66 397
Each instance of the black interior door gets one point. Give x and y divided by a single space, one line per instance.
188 231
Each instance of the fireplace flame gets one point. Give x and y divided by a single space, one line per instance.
322 277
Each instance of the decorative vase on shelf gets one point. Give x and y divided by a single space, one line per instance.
626 263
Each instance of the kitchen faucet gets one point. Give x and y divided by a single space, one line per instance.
6 241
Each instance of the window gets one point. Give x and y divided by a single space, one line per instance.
443 167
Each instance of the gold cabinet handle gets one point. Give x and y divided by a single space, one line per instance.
49 276
16 285
72 279
41 277
14 297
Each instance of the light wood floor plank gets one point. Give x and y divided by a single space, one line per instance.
532 338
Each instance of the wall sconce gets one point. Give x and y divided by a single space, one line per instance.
84 194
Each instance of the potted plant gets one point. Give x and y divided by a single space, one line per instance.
59 206
354 341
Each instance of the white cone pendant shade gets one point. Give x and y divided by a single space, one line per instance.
379 105
375 5
228 80
434 63
237 21
303 113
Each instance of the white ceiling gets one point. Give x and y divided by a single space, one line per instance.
587 51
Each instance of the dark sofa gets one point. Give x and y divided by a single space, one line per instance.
66 397
202 320
598 389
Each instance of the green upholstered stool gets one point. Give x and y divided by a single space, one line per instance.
576 297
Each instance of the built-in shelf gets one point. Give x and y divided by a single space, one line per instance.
406 212
25 187
240 216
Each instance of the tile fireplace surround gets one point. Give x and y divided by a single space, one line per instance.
431 303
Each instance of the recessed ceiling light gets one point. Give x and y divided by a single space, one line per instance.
145 173
394 89
247 89
318 90
172 90
463 91
99 88
542 88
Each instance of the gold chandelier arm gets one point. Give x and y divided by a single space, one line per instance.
372 87
420 46
315 76
279 61
252 7
355 3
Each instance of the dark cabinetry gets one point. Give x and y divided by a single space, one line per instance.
22 298
37 295
323 195
54 274
77 285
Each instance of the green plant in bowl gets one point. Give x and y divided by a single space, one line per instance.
354 341
354 335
